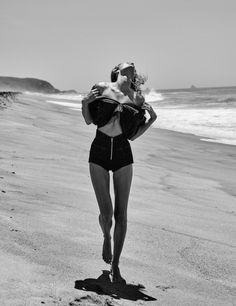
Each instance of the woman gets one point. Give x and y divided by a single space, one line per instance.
111 150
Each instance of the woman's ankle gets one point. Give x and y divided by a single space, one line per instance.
115 265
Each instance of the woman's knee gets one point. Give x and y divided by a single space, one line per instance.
106 216
120 216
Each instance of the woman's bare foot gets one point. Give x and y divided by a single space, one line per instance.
106 250
116 277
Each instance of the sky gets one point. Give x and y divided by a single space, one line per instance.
74 44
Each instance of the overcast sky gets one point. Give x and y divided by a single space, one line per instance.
75 43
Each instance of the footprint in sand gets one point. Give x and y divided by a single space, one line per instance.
14 230
164 288
93 300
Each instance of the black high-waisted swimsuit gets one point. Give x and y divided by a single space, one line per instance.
111 153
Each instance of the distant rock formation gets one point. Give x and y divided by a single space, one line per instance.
193 87
26 84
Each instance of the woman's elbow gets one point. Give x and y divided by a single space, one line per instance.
87 118
88 122
136 135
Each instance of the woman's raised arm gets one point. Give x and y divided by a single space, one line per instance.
143 128
92 95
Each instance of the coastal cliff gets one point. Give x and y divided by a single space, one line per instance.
26 84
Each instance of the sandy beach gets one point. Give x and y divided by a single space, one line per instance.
180 247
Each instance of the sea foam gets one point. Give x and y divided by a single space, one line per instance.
68 104
153 96
217 124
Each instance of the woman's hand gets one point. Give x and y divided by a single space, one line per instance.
93 94
150 110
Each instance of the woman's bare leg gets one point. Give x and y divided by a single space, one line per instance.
101 184
122 179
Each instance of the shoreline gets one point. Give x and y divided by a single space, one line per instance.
180 243
200 138
66 101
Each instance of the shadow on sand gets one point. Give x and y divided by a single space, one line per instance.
103 285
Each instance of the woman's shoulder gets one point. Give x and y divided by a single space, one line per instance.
102 85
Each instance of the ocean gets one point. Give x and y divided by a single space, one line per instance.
206 112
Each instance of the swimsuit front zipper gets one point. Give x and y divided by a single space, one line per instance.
111 148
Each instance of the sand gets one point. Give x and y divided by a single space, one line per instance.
180 247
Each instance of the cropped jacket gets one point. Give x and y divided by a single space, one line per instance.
131 115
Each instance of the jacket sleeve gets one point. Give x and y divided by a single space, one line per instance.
131 119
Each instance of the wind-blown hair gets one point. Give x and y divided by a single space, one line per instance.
137 81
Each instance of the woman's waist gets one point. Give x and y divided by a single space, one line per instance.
110 132
104 138
112 128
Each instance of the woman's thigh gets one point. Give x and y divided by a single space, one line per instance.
101 183
122 179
